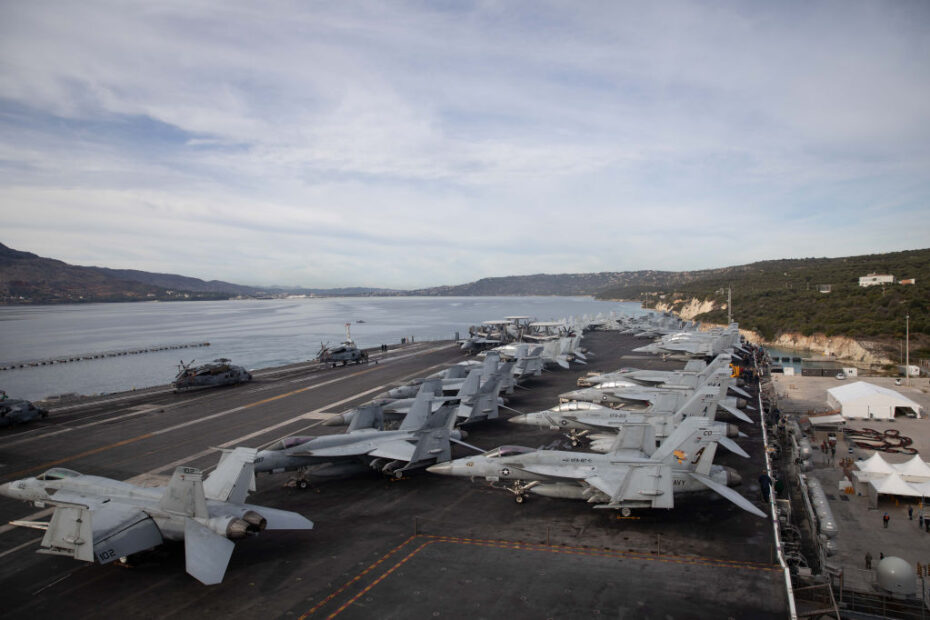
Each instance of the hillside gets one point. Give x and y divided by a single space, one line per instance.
550 284
176 282
772 297
28 278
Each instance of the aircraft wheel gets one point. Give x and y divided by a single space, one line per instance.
398 474
626 512
519 499
303 484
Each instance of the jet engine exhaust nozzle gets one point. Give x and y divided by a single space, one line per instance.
237 528
256 522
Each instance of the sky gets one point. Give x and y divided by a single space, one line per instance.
413 144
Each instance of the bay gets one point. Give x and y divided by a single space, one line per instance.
252 333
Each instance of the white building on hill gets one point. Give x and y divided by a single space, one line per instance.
874 278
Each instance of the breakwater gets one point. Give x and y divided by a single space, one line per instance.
67 359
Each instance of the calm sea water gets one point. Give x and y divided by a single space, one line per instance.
253 333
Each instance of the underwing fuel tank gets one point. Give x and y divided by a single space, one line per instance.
559 490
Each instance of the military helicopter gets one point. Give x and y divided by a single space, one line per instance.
218 372
16 411
345 352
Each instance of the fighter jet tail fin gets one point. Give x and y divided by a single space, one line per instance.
418 416
184 494
507 381
433 441
431 386
688 442
206 553
233 478
702 403
721 361
367 416
470 387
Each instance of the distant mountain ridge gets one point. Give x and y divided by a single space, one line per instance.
770 297
176 282
546 284
27 278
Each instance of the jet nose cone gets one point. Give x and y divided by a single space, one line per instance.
440 468
5 489
733 478
519 419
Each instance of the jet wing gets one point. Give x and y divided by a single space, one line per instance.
610 482
600 422
122 530
644 483
571 472
399 450
358 448
89 528
636 395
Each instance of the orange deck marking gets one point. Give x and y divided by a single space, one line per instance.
520 546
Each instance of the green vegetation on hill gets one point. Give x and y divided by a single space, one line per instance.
773 297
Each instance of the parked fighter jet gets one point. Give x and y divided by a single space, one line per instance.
693 368
697 344
345 352
453 378
601 424
102 519
16 411
216 373
625 393
683 463
423 439
472 398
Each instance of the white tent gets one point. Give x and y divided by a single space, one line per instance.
914 470
876 466
894 485
861 400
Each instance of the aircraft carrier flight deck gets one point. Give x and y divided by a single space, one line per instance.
424 546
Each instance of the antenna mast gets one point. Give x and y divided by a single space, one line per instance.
729 304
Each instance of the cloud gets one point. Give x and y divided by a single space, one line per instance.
412 144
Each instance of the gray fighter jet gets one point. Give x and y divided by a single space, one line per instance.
617 480
692 371
423 439
102 520
216 373
395 409
626 393
601 424
16 411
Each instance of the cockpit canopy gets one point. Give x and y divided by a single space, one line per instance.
58 473
289 442
497 453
